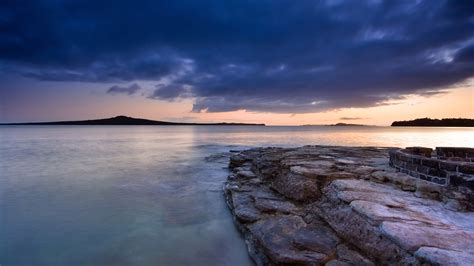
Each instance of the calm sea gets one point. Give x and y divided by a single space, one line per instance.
145 195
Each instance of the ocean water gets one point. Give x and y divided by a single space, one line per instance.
145 195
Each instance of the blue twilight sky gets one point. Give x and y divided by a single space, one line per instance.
79 58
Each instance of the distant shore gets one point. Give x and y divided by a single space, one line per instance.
428 122
339 125
129 121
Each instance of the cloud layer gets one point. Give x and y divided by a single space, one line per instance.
129 90
269 56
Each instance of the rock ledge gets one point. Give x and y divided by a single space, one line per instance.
321 205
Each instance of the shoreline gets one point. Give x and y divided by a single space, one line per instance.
329 205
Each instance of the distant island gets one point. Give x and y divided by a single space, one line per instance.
125 120
347 125
337 125
428 122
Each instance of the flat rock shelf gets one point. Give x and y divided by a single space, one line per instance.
321 205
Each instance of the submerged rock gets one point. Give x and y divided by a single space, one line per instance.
319 205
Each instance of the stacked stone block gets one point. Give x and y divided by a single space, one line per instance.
455 154
451 166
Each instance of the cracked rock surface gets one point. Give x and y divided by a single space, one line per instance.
321 205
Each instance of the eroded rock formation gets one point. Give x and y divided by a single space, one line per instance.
319 205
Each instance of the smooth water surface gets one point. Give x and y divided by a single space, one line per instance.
145 195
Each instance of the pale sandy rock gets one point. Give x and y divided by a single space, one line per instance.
361 232
413 236
346 161
379 197
310 172
403 181
380 212
363 186
444 257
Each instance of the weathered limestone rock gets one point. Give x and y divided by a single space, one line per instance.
296 187
351 257
403 181
319 205
428 190
444 257
285 240
244 210
274 205
411 237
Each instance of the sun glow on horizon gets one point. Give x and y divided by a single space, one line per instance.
454 103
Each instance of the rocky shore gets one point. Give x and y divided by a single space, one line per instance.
320 205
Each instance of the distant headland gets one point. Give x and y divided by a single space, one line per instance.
125 120
428 122
347 125
337 125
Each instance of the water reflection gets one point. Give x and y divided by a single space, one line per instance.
144 195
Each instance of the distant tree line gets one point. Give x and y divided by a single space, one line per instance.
428 122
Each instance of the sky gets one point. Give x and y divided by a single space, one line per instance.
279 62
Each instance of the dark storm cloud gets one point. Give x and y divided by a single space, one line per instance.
269 56
170 92
465 55
129 90
141 67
